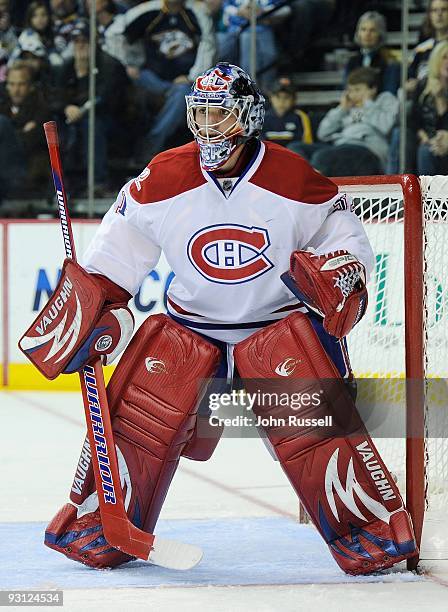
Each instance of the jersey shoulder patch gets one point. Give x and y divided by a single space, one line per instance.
169 174
290 176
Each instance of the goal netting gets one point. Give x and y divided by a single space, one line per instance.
400 348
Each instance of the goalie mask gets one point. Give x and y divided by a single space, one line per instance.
224 109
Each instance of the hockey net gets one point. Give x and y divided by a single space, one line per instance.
404 337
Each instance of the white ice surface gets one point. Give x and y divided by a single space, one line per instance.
258 559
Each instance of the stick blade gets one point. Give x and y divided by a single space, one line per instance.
174 555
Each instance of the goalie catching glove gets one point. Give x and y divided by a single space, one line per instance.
85 319
332 284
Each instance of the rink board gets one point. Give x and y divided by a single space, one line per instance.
245 551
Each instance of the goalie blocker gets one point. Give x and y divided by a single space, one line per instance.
85 318
338 474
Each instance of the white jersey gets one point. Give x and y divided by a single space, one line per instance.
227 244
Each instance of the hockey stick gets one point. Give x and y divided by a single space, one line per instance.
118 529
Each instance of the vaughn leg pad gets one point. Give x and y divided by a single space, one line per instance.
153 397
334 467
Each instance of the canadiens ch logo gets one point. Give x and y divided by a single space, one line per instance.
215 81
230 253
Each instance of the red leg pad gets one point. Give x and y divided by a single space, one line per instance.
336 471
153 397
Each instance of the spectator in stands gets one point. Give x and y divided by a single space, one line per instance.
370 36
34 55
285 124
235 41
179 44
8 38
358 128
23 109
435 29
111 26
65 15
37 37
429 114
112 87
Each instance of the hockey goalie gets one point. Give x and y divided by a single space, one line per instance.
270 269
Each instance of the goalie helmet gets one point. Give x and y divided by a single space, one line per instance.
231 89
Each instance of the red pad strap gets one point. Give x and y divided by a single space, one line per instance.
334 467
65 321
153 397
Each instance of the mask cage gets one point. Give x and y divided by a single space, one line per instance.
213 132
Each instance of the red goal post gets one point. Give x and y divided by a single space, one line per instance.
404 334
385 186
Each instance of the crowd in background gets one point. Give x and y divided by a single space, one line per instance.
149 53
